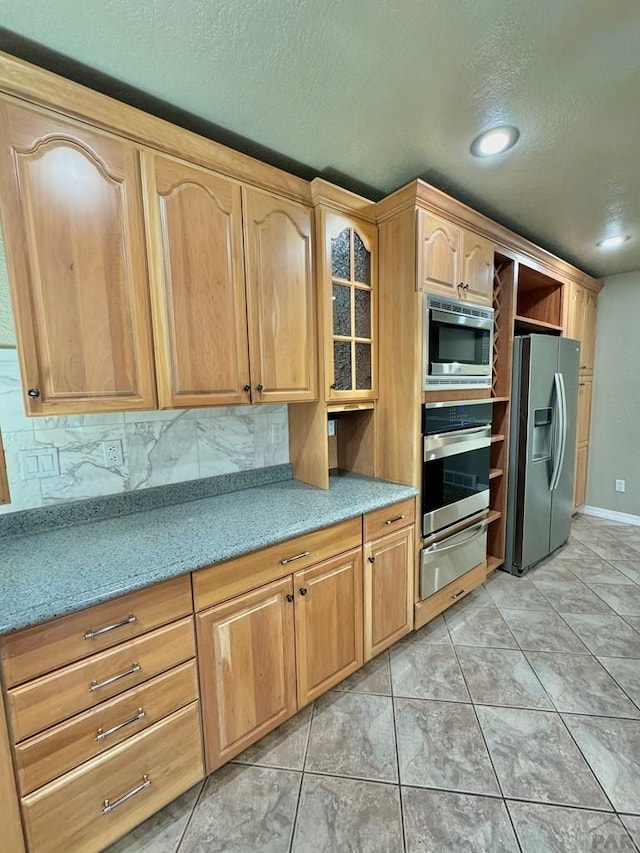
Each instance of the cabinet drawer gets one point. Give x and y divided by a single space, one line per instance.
43 648
226 580
430 607
55 697
52 753
69 814
383 521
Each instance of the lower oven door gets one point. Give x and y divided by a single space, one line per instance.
445 561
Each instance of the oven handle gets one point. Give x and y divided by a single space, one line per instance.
453 443
454 435
453 319
478 530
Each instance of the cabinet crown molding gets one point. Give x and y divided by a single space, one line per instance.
422 195
344 201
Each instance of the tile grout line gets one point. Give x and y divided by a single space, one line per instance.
302 775
193 808
486 746
395 737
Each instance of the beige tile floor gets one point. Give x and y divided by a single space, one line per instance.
510 723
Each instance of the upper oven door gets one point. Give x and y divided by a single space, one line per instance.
458 344
455 476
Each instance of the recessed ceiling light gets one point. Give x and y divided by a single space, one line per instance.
494 141
613 242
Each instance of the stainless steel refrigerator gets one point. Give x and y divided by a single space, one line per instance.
544 404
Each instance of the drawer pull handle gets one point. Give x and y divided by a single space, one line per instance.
393 520
458 594
104 733
90 635
110 806
297 557
96 685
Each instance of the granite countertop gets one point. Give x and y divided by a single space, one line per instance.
53 572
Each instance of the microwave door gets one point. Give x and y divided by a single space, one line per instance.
452 319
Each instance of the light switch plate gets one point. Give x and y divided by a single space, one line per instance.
40 462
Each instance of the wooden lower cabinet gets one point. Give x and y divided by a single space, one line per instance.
580 482
93 805
328 600
247 670
388 590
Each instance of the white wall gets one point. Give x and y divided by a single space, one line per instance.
159 447
615 419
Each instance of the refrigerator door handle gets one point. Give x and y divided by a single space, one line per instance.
560 409
564 428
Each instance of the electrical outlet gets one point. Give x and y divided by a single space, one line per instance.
113 456
331 427
620 484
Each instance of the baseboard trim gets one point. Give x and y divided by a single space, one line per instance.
624 517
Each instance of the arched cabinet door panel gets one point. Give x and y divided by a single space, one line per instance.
194 234
439 255
73 223
281 304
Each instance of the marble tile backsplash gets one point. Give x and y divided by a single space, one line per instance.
158 447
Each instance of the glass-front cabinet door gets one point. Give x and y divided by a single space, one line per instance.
349 286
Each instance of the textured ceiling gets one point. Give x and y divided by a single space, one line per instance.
383 91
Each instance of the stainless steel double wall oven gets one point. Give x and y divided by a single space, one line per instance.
455 490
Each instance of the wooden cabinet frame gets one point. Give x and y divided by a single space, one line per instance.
5 496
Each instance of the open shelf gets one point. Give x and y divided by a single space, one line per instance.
496 438
493 562
494 515
495 472
538 299
529 324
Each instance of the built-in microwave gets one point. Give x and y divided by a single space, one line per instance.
458 344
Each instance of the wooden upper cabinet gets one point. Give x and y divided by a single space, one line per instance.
281 306
477 269
5 498
348 270
194 236
246 658
73 222
588 340
580 323
439 255
328 623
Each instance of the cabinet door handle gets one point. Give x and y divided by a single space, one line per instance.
303 590
260 388
91 635
96 685
104 733
110 806
289 597
246 388
33 393
458 594
297 557
394 520
371 559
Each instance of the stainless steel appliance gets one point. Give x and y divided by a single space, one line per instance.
544 401
455 473
444 561
458 344
455 490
